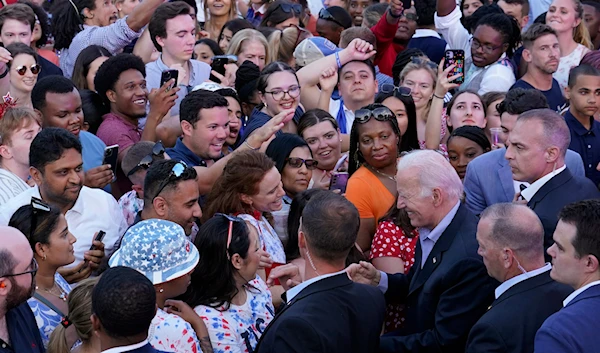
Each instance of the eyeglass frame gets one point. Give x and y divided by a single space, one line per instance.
290 8
284 93
170 179
324 14
36 205
421 60
372 114
231 219
487 49
158 150
314 163
33 271
396 90
19 68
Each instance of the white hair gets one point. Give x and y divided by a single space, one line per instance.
434 171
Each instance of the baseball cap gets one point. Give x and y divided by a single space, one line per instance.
312 49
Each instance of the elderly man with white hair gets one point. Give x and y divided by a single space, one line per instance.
448 288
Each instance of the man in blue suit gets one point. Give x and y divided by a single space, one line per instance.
489 179
123 306
575 259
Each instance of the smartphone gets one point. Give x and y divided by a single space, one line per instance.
406 4
456 57
218 65
98 237
168 75
339 181
111 153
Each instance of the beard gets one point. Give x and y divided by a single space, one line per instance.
18 295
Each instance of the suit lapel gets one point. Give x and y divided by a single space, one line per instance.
523 286
552 184
435 257
506 180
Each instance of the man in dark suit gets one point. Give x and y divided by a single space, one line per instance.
489 179
576 262
510 238
447 289
327 312
122 323
536 155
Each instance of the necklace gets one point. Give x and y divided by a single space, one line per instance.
393 178
62 296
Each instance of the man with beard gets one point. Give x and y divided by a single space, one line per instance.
57 169
18 329
542 53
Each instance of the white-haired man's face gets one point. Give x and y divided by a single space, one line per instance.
418 205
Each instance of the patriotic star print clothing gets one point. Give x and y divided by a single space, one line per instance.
238 329
170 333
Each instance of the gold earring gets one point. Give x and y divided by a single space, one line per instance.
161 290
44 258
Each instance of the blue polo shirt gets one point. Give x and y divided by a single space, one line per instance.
23 332
92 152
586 143
181 153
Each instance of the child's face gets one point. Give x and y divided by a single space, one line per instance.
585 95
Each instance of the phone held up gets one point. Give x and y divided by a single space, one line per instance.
339 181
218 65
111 153
455 57
168 75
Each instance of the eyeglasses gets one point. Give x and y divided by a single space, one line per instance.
410 16
287 8
157 151
296 162
35 69
33 271
175 174
231 219
324 14
382 114
37 205
278 94
390 88
419 60
488 49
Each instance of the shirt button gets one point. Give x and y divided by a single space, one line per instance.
589 146
3 345
589 165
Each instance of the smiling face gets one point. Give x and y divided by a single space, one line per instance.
182 204
562 16
59 250
63 110
130 95
584 96
60 182
218 8
203 53
406 28
470 6
295 180
277 82
207 136
92 70
357 83
325 144
254 51
544 54
490 46
180 39
23 83
356 9
418 207
378 143
270 193
467 110
234 112
15 31
461 151
421 85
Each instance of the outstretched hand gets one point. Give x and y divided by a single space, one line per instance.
364 272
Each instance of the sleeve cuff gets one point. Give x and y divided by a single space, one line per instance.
383 282
448 20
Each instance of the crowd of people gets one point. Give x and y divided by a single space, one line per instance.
190 176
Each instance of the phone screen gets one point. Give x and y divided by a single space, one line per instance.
456 57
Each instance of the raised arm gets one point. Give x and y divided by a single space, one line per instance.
444 7
140 16
433 128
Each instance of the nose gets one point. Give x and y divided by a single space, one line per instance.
280 190
400 204
113 9
462 161
550 250
74 177
469 111
223 132
72 239
303 169
509 151
377 144
197 211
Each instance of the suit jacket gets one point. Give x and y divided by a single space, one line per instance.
331 315
512 320
574 329
147 348
561 190
489 179
447 296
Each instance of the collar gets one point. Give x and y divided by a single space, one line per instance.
506 285
287 199
261 10
77 206
494 63
437 232
578 128
579 291
112 115
297 289
162 67
425 32
126 348
537 185
184 150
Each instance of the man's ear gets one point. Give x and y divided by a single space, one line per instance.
5 152
160 206
524 21
111 95
160 41
87 13
96 325
186 127
568 92
527 55
36 175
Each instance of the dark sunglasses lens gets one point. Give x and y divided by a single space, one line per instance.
362 115
21 70
311 164
297 8
404 91
295 162
382 113
387 88
158 149
146 162
35 69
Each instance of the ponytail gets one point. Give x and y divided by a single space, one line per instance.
274 43
58 341
581 35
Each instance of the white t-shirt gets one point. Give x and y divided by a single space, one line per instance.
238 329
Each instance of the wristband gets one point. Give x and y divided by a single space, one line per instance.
3 75
394 16
438 97
250 146
338 61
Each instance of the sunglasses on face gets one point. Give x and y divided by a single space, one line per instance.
35 69
231 219
410 16
296 162
390 88
175 174
324 14
287 8
421 60
381 114
38 206
158 151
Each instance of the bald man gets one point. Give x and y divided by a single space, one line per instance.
18 329
511 238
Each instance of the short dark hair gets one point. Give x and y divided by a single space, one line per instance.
473 133
109 72
593 4
330 223
49 145
357 32
506 25
18 48
275 14
343 17
292 251
198 100
160 171
49 84
524 5
214 46
520 100
581 70
425 10
402 59
369 63
165 12
584 215
537 30
124 301
135 154
19 12
83 62
45 225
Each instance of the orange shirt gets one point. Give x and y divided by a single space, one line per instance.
368 194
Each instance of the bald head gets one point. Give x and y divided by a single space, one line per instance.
13 246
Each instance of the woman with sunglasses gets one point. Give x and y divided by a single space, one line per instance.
282 14
294 160
46 230
374 150
226 292
400 102
322 134
23 72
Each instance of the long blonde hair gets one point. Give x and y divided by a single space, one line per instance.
80 310
581 35
237 42
283 43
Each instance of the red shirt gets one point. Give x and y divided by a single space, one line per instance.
387 50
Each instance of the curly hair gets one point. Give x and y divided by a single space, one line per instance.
110 71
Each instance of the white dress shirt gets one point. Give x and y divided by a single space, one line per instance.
579 291
528 193
334 108
126 348
506 285
93 211
290 294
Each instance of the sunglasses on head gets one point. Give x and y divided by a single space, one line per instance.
38 206
175 174
35 69
231 219
296 162
380 113
390 88
421 60
157 151
324 14
287 8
